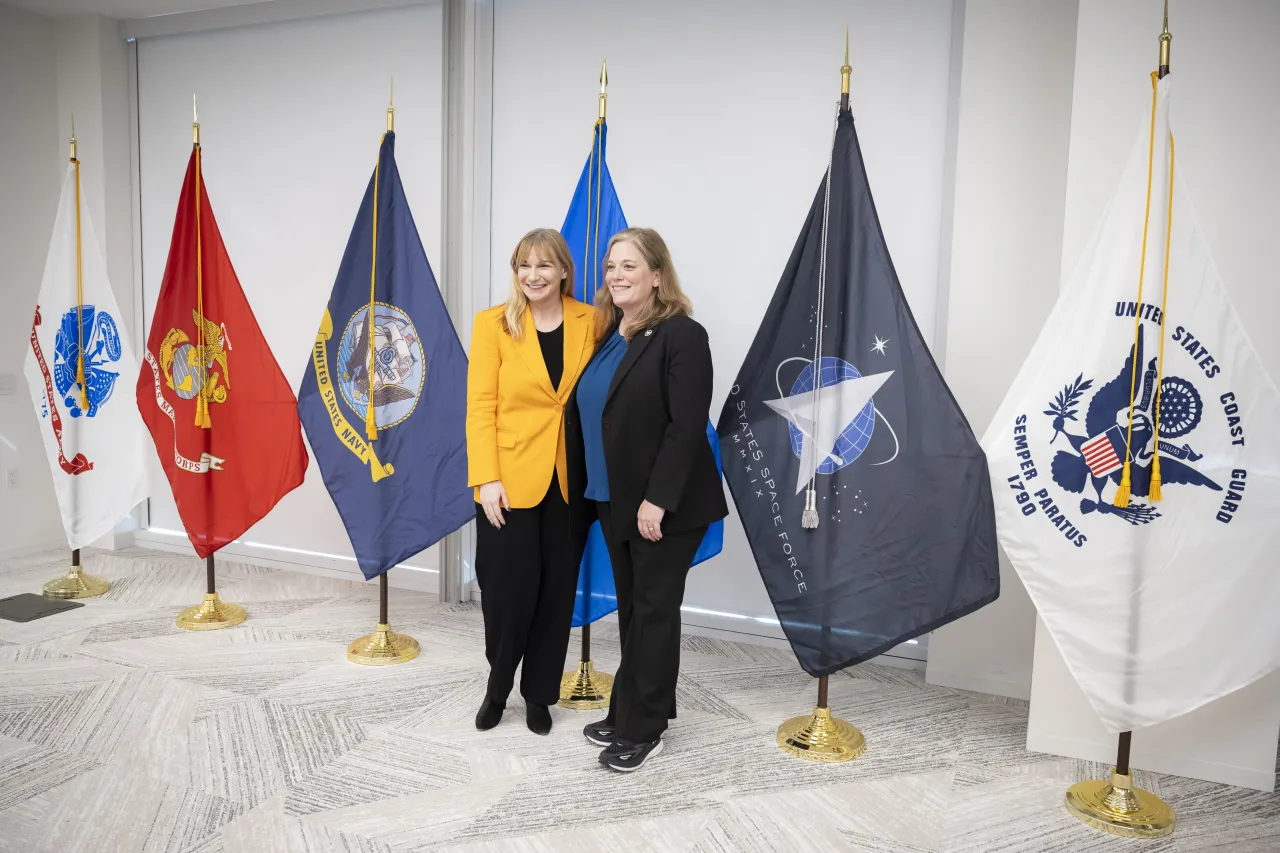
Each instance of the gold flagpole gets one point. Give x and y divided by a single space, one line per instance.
383 646
212 613
75 583
820 736
584 689
1115 806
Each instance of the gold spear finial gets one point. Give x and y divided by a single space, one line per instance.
195 121
845 70
391 106
1165 42
604 86
73 136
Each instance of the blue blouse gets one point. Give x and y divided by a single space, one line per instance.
593 390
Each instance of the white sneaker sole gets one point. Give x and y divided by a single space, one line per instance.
596 741
651 754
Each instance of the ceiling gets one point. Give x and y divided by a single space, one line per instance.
123 9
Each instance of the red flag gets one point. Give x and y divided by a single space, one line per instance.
223 418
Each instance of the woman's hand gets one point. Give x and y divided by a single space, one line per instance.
493 497
649 520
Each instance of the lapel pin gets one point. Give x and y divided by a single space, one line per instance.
648 332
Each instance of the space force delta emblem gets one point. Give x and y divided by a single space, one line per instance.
1070 456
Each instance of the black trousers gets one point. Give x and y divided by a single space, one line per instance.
528 578
649 577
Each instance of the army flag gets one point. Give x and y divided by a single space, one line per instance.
222 417
78 351
862 490
594 216
1137 485
384 398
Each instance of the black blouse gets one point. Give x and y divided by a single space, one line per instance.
552 345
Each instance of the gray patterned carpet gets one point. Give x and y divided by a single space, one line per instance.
119 732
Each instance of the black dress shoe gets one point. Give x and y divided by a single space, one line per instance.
489 715
537 718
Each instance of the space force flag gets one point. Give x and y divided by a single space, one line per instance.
220 412
1134 464
862 490
78 351
384 398
594 216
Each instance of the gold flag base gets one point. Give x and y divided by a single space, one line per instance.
584 689
1119 808
821 737
76 584
383 647
211 614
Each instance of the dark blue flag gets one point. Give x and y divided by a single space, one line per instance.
594 216
398 475
864 494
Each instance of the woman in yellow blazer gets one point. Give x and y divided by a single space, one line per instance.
526 356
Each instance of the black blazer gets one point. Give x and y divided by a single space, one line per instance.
655 434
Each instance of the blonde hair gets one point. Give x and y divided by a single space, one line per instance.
668 300
550 244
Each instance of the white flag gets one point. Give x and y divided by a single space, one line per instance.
1160 606
93 434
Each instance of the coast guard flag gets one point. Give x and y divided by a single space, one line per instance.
78 352
905 539
594 216
223 419
401 486
1158 605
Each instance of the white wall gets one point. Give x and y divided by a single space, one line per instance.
720 120
291 116
31 164
1011 172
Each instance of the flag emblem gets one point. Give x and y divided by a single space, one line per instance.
398 365
189 369
102 349
831 429
1092 466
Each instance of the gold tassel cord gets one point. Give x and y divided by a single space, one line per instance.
202 402
371 414
1156 492
1123 493
80 377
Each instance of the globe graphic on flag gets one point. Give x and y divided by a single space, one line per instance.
856 435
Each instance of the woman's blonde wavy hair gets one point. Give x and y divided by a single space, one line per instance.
550 244
668 300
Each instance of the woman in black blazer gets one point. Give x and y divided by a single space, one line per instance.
636 438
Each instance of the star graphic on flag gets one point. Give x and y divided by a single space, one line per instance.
879 345
835 406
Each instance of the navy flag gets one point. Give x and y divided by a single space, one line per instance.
384 399
864 495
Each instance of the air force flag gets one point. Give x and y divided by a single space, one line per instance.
839 417
384 398
1134 462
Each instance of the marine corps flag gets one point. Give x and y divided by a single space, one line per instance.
862 490
220 412
1134 461
384 398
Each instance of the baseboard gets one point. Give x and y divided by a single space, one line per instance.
34 548
1156 762
978 684
402 577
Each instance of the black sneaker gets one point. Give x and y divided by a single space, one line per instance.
602 733
626 757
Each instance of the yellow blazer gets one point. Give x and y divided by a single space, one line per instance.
515 419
